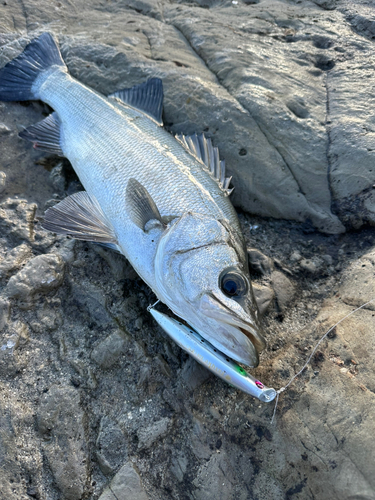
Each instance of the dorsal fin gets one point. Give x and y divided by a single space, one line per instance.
45 135
81 217
201 148
147 97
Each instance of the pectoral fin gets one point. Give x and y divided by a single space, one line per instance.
81 217
141 206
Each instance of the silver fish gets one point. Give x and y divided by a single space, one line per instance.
161 201
208 356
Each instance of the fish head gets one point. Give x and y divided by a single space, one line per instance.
202 274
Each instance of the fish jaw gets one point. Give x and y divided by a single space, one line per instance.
229 328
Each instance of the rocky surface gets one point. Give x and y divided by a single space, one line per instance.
95 401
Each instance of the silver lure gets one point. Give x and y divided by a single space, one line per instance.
215 361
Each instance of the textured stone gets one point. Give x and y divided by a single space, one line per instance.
14 259
109 350
40 275
61 424
157 430
125 485
4 312
264 296
284 289
111 446
194 374
258 262
2 181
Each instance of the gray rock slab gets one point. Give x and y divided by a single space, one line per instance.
125 485
272 82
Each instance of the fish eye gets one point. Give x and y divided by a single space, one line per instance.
233 284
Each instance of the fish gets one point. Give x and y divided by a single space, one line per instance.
160 200
212 359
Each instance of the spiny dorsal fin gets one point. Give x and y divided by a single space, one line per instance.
45 135
147 97
142 207
201 147
81 217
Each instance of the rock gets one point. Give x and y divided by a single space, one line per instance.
42 274
157 430
194 374
111 446
125 485
57 178
109 350
264 295
61 424
14 259
4 313
295 257
313 265
358 284
284 289
3 131
2 181
17 220
258 262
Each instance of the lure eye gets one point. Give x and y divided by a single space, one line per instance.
233 284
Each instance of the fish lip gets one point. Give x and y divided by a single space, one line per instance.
248 329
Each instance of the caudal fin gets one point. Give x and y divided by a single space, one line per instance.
18 76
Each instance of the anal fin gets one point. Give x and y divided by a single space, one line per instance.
45 135
81 217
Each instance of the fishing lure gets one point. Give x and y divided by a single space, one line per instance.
207 355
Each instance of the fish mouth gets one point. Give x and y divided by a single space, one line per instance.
233 322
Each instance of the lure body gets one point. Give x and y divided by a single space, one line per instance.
215 361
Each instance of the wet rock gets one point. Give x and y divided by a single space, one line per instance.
125 485
109 350
258 262
2 181
111 446
284 289
61 424
41 274
148 435
264 296
14 259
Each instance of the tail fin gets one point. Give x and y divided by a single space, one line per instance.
18 76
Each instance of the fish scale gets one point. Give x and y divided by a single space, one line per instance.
116 143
